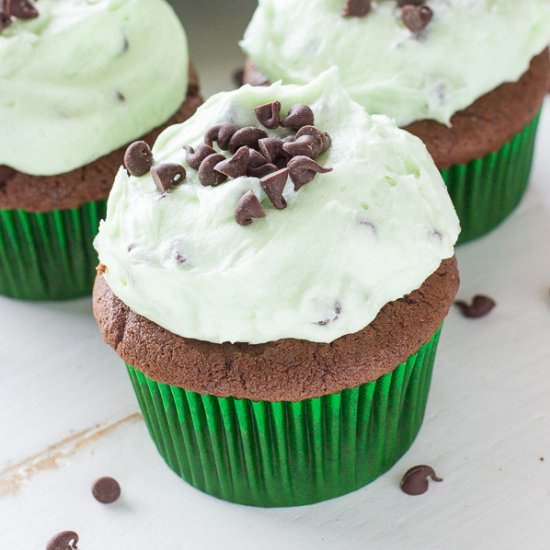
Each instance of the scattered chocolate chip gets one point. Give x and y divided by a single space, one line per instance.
194 158
207 174
416 18
269 115
415 480
106 490
271 147
67 540
262 170
23 9
248 136
480 307
222 134
274 184
305 145
299 115
303 170
322 138
236 165
138 158
167 175
238 77
248 207
356 8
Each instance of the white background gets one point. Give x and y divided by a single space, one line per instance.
68 414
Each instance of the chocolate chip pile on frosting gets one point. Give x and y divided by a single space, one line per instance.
20 9
414 13
254 153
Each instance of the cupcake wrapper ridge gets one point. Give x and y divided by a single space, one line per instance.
288 453
49 255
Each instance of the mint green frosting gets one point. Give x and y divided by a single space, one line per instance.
350 241
86 77
467 50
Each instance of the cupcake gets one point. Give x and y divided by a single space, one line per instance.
78 81
466 77
276 285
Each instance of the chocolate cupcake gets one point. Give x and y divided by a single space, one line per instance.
276 286
468 78
78 82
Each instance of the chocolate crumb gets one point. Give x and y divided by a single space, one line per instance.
303 170
269 115
167 175
274 184
356 8
138 158
299 115
248 207
208 176
337 312
106 490
415 481
66 540
120 96
416 18
480 307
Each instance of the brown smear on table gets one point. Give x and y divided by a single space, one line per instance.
12 477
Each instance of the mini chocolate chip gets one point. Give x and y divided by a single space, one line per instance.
262 170
106 490
480 306
416 18
248 136
299 115
415 480
274 185
356 8
194 158
23 9
303 170
304 145
235 166
67 540
269 115
271 147
207 175
255 158
167 175
322 138
138 158
337 313
248 207
222 134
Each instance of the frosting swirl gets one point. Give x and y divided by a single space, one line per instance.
468 49
366 233
84 78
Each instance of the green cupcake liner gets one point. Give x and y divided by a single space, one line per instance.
486 191
49 255
288 453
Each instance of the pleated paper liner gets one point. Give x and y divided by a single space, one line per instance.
487 190
49 255
288 453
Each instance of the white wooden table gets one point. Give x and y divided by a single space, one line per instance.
68 414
